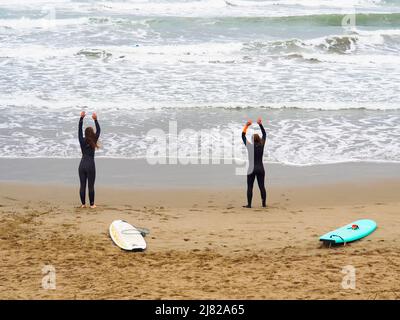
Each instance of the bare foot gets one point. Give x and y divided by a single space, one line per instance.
93 206
83 206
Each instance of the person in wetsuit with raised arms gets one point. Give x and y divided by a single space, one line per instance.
256 166
87 168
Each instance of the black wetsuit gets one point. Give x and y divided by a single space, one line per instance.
256 167
87 168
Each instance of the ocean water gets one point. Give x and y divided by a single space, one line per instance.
324 75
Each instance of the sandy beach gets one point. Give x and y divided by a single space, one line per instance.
167 96
202 243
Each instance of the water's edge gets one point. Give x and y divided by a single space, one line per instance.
139 174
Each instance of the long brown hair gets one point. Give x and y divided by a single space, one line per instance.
90 138
257 139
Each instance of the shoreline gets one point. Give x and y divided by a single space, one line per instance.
133 173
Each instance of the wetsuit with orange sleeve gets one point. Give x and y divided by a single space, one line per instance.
256 166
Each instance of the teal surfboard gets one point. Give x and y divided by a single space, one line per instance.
351 232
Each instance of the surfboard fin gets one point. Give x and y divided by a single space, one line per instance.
143 231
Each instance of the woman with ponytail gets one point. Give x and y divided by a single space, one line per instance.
87 168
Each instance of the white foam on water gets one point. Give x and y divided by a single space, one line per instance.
41 23
208 8
22 4
337 47
244 8
130 58
204 8
36 52
142 51
35 101
310 3
307 140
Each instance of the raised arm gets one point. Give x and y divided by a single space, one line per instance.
94 116
97 129
248 124
80 130
264 134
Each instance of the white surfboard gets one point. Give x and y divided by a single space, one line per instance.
126 236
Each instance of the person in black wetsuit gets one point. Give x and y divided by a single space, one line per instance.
87 168
256 167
